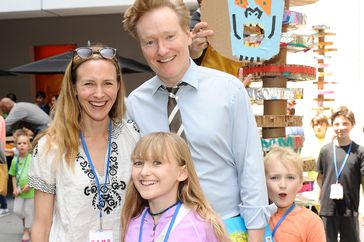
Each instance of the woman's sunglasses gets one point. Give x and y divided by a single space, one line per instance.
87 52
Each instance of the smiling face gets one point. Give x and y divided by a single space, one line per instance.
96 87
342 127
157 180
164 44
283 182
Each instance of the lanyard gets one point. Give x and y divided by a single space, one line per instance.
18 175
169 227
84 145
338 174
282 218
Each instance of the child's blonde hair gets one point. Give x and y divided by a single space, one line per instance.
154 146
19 133
286 156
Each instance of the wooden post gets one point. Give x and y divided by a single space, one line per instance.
276 107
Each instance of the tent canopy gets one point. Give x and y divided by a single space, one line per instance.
57 64
6 73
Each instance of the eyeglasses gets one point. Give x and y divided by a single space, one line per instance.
87 52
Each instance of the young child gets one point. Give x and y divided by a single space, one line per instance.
24 195
283 170
164 200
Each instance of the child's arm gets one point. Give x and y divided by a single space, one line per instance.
319 179
26 188
16 192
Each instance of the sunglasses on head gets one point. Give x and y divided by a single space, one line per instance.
87 52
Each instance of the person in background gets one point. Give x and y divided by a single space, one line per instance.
12 96
23 114
40 100
217 119
283 170
81 163
164 185
340 170
53 106
23 194
3 203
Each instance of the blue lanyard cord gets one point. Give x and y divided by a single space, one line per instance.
179 204
282 218
18 175
338 174
84 145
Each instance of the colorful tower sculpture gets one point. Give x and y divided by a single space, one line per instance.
325 92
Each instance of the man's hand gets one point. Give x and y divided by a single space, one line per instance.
199 35
247 80
256 235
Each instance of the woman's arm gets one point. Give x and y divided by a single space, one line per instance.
43 204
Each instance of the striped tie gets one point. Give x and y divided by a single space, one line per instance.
174 114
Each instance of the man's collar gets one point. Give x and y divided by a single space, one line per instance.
189 78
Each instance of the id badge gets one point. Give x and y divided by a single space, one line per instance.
337 191
101 236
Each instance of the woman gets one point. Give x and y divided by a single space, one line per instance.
81 163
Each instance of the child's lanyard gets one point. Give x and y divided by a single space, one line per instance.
282 218
169 227
338 174
18 175
94 171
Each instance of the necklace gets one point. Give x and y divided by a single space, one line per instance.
159 213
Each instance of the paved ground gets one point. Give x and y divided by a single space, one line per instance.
11 226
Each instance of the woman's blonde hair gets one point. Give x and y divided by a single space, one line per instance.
154 146
64 131
141 7
286 156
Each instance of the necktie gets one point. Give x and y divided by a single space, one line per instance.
174 114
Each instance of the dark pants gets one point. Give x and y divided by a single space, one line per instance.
348 227
3 203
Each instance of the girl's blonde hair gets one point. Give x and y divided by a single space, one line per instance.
22 133
286 156
64 130
154 146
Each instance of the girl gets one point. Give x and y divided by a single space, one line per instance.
164 200
24 195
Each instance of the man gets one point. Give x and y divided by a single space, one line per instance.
216 115
341 171
40 100
24 114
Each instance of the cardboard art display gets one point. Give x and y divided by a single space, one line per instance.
254 28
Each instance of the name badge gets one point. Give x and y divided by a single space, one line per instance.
337 191
101 236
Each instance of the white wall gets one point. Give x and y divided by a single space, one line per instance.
347 64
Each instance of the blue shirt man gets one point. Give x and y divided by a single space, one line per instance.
217 118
